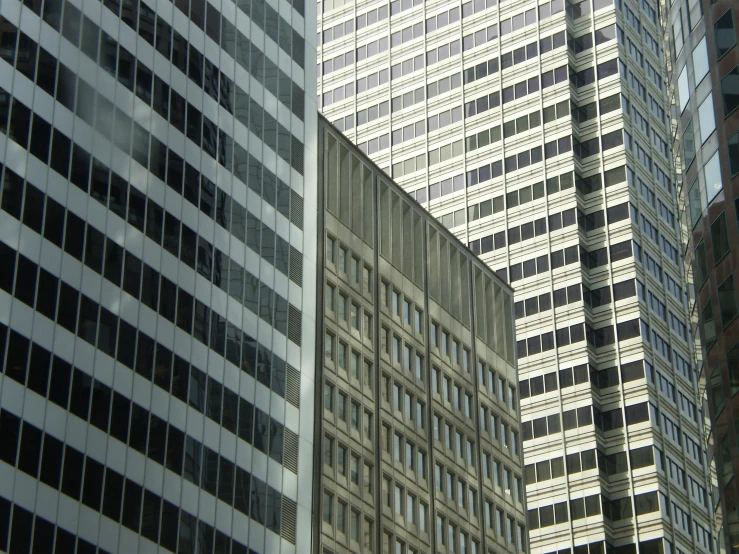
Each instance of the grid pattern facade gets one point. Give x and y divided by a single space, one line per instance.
157 299
420 433
704 76
538 133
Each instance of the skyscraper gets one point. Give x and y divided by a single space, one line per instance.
157 275
704 77
539 133
419 419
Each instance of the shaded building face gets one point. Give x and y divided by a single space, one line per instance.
420 421
155 345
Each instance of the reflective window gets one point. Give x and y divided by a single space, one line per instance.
724 33
706 118
700 61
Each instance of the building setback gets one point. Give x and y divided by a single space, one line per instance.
538 133
704 77
419 419
157 292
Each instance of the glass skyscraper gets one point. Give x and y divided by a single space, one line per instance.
157 275
540 134
704 76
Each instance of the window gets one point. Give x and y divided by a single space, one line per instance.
330 244
696 201
732 364
727 301
733 145
354 270
328 502
354 469
725 33
720 238
730 90
705 116
689 143
328 451
328 397
700 61
712 170
683 88
709 325
367 279
341 516
329 301
343 254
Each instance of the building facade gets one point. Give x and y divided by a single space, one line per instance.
419 418
157 294
705 79
539 134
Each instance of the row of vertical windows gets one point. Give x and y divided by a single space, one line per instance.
286 201
540 264
19 529
507 25
520 55
199 128
652 546
163 162
123 500
336 514
603 378
549 425
611 464
223 32
524 232
110 260
348 463
137 351
608 420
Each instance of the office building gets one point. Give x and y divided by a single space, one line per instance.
157 275
539 134
419 417
704 78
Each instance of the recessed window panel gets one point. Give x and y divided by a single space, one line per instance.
724 33
730 90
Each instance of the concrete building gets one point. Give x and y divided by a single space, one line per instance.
419 418
704 78
157 275
539 134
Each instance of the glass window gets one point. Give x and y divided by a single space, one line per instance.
724 33
689 142
727 467
732 366
733 145
727 301
696 203
683 88
720 238
700 265
712 171
677 35
730 90
700 61
705 116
